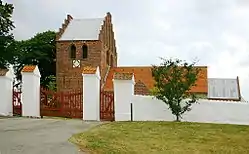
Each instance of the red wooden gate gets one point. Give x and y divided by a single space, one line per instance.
62 104
17 104
107 105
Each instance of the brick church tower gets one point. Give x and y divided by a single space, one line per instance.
80 43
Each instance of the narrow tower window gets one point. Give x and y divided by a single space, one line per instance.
111 61
107 57
73 51
85 52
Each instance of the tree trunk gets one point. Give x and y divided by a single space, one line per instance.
177 118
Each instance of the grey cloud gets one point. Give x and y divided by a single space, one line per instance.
146 30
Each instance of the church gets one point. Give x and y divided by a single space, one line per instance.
91 42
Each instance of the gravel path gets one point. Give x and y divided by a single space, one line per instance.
40 136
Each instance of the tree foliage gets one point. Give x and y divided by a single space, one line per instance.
174 79
6 38
39 50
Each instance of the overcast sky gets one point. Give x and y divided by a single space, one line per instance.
216 32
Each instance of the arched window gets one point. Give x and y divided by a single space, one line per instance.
73 51
84 51
107 57
111 61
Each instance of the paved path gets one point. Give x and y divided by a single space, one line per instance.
39 136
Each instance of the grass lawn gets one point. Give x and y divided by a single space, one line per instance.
164 137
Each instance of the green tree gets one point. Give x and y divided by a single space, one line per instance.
174 79
7 54
39 50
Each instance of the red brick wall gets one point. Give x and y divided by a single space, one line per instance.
109 43
67 76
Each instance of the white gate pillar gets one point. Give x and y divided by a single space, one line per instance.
6 92
123 92
91 93
31 91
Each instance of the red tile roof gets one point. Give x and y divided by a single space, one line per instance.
3 72
28 68
89 70
141 89
122 76
144 75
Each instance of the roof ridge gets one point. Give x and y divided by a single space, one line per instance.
86 18
131 66
83 29
151 66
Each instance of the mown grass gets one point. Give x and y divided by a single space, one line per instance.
164 137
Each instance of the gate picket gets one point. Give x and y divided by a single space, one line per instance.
67 104
17 104
62 104
107 105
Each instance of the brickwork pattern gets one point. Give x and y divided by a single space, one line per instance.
67 77
123 76
89 70
141 89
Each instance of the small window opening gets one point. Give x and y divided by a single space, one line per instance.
107 57
111 61
85 52
73 51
